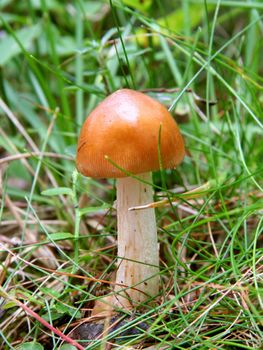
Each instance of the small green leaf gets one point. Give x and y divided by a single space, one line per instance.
49 291
24 295
64 309
89 210
31 346
60 236
53 315
58 191
67 347
9 305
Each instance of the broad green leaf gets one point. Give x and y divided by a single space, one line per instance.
31 346
23 104
65 45
49 4
175 20
57 191
92 9
10 48
4 3
138 4
10 17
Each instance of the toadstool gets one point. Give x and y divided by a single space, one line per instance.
131 133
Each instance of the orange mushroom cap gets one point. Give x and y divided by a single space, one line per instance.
125 128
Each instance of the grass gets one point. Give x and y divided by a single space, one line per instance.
58 229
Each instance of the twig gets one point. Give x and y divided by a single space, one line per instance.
33 154
195 193
34 222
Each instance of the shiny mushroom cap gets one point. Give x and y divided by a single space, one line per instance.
127 128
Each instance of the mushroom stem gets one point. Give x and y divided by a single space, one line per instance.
138 253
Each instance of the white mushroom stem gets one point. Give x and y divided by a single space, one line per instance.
138 253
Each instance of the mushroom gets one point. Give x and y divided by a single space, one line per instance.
130 133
